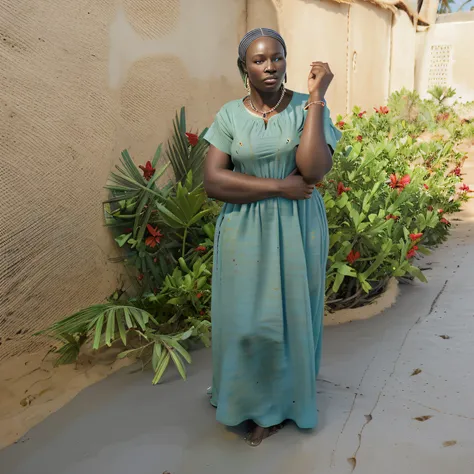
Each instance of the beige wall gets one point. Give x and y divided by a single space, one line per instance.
403 53
369 55
457 31
338 34
79 81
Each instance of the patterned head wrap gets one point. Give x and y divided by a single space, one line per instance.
249 38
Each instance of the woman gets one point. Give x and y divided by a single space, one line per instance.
267 152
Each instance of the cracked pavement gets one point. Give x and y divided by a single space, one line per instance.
394 394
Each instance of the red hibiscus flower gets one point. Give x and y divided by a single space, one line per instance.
340 124
426 186
412 252
353 257
440 211
199 295
148 170
201 248
382 110
416 237
401 183
391 216
341 188
445 221
154 238
359 138
361 114
465 188
430 208
192 138
456 171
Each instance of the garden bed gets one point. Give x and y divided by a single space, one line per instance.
388 198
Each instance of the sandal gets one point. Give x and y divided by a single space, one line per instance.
265 433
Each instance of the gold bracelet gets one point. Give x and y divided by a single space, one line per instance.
319 102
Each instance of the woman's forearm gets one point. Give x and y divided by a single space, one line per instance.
313 157
237 188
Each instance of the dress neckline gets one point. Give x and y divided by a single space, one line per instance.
257 117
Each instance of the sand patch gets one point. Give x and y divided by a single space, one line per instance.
31 388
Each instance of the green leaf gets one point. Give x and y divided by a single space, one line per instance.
98 331
128 319
121 328
178 363
110 328
161 366
346 270
157 155
171 219
122 239
157 351
337 282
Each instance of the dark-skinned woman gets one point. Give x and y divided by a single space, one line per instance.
267 152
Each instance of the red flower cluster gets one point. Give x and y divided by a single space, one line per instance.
382 110
193 139
445 221
361 114
353 257
456 171
148 170
426 186
391 216
359 138
201 248
154 238
400 184
341 124
412 252
416 237
341 188
465 188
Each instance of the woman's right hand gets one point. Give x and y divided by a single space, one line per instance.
295 188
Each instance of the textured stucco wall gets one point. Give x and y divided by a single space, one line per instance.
457 32
79 81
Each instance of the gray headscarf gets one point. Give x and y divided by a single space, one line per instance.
249 38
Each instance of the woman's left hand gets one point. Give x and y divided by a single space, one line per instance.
319 79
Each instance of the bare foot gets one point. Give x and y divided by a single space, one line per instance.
255 437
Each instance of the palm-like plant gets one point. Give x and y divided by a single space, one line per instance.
153 325
186 151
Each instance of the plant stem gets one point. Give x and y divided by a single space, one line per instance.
183 252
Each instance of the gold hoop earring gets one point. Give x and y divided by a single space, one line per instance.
247 84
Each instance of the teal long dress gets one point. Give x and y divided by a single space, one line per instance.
268 279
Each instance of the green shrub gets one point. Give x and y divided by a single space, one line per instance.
396 176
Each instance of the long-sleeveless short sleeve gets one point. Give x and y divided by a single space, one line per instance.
332 134
220 133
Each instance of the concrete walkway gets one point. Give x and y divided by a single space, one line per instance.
415 360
